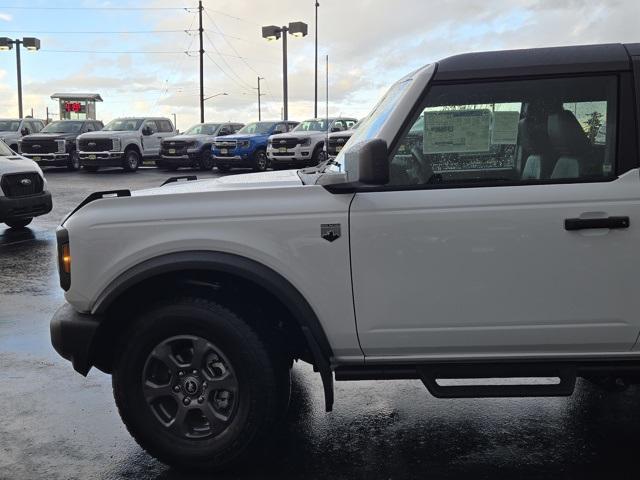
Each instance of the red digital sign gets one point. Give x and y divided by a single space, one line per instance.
75 107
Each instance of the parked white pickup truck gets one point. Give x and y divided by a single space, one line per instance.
471 227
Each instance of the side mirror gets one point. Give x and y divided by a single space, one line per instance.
336 129
146 131
373 162
24 131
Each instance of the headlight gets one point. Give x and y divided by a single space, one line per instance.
116 144
305 142
193 144
244 143
61 146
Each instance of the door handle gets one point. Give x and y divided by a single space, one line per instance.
585 223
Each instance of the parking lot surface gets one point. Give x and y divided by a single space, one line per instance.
57 424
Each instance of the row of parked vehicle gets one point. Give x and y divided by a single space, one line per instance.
129 142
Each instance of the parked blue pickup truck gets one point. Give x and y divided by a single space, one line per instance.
248 147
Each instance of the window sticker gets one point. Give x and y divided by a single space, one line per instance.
457 131
505 128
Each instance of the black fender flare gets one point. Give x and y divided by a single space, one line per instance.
244 268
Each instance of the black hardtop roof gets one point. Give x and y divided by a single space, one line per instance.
537 61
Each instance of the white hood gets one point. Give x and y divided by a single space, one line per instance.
17 164
284 178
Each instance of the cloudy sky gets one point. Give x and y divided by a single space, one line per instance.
135 57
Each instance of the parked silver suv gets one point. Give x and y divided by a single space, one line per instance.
124 142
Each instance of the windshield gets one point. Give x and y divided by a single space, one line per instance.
370 126
257 127
203 129
124 124
9 125
4 150
313 125
62 127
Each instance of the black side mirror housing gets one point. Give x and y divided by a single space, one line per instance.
146 131
24 131
373 163
336 129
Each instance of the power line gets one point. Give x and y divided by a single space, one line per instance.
118 51
13 7
224 71
97 32
242 82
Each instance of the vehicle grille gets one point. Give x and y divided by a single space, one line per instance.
229 144
21 184
179 146
335 142
285 142
95 144
38 146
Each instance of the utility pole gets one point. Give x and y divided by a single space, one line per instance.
201 30
315 103
259 95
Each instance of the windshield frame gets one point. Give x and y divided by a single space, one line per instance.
63 122
138 123
265 132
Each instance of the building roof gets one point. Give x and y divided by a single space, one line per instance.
78 96
537 61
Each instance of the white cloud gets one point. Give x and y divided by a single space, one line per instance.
6 17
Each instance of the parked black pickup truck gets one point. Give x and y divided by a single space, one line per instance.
55 144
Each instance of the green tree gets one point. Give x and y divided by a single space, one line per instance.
593 125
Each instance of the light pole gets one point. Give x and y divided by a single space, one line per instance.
30 43
315 78
216 95
272 32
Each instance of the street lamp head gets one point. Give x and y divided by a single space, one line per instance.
6 43
31 43
271 32
298 29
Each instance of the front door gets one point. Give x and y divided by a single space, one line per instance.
466 252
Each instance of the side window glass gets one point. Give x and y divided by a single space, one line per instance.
165 126
520 131
151 124
279 128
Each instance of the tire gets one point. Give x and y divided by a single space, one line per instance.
252 405
19 222
205 162
261 162
319 155
131 161
223 168
91 169
74 161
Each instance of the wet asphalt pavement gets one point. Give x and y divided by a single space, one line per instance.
55 424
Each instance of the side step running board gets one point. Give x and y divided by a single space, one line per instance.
564 387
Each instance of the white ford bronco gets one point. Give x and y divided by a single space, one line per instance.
475 226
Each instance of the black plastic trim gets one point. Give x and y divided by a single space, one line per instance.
572 224
72 335
97 196
243 268
188 178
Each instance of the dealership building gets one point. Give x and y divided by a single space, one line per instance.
77 106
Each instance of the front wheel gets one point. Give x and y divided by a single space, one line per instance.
18 223
131 161
198 388
205 162
319 156
74 161
261 161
